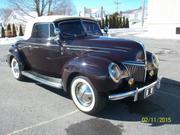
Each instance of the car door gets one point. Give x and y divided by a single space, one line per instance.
45 52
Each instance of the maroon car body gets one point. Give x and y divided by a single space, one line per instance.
87 55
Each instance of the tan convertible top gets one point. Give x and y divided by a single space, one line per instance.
47 19
54 18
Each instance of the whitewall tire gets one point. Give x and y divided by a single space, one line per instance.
16 69
85 97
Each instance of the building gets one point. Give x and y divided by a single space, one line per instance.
93 13
18 17
164 16
135 16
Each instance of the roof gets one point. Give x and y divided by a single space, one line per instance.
54 18
19 17
132 11
47 19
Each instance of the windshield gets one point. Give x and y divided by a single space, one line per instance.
91 28
77 28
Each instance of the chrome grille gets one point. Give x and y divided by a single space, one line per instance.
137 72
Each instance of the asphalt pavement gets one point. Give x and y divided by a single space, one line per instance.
29 108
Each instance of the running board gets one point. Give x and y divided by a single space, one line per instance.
50 81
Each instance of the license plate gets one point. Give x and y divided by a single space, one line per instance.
148 92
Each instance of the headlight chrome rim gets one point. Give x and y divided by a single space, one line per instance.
155 60
115 79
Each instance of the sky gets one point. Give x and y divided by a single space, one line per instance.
108 5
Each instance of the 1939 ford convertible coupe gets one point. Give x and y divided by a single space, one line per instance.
71 53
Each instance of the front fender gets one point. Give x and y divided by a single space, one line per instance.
94 68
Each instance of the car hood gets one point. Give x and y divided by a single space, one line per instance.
115 49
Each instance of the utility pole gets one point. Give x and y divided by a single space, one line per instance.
143 10
117 3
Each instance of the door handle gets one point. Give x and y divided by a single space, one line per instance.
30 47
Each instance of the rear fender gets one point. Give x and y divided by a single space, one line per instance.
15 53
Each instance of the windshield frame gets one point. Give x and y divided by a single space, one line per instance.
92 21
85 33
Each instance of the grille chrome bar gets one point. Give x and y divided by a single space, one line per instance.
137 72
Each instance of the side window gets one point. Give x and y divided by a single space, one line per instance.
40 31
52 34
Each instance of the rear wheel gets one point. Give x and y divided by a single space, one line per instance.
16 69
85 97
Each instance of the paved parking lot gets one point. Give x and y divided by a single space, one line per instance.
29 108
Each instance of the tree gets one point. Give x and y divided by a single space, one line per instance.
2 32
127 23
114 21
124 22
20 31
63 7
44 7
110 22
9 27
99 22
117 22
8 32
120 23
106 21
14 31
103 24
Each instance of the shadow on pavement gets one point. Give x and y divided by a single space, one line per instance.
54 90
165 104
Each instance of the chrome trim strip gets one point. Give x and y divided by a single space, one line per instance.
135 63
107 49
50 81
39 44
79 49
135 92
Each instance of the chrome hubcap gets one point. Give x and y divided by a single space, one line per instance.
84 94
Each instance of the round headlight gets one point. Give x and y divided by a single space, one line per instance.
155 61
115 72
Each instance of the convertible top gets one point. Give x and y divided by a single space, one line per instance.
47 19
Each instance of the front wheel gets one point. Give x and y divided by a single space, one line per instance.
16 69
85 97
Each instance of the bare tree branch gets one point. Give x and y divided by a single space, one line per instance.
49 7
5 14
21 5
44 7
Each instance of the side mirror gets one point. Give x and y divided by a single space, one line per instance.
57 34
106 29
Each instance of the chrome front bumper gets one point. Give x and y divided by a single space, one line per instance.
134 93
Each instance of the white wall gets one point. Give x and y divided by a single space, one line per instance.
164 15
